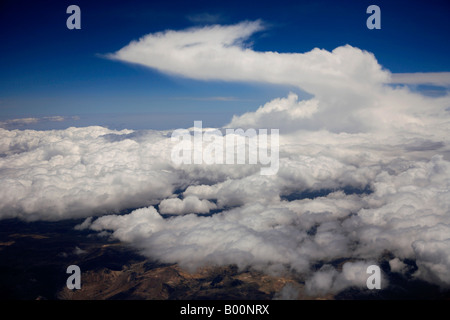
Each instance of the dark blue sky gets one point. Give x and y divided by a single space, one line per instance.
48 70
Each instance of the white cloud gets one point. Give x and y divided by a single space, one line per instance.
219 53
329 280
278 113
364 169
433 260
245 238
322 281
348 84
397 265
80 171
190 204
21 122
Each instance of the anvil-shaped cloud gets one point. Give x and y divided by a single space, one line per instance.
348 84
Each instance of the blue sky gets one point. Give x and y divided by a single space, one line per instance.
47 70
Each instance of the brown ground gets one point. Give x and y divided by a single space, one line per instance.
144 280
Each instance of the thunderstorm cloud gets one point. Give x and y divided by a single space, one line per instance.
364 169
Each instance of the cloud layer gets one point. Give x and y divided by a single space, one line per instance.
79 171
364 170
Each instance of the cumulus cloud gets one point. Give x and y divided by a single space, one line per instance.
75 172
329 280
433 259
21 122
246 238
277 236
397 265
286 113
348 84
190 204
364 170
384 110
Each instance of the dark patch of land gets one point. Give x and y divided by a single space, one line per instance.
34 257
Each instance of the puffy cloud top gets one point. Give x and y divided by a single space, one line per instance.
364 169
219 53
